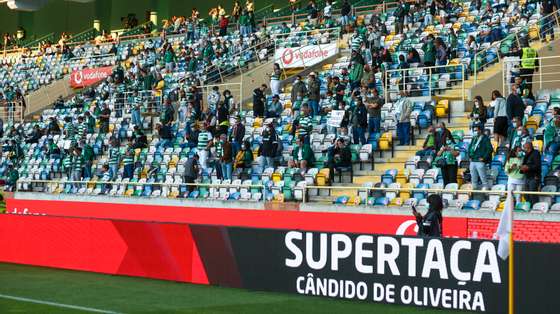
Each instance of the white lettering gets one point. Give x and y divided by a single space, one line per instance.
336 252
412 244
454 260
309 285
387 257
435 249
487 250
294 249
446 298
361 290
361 254
378 292
406 295
464 300
478 302
319 264
299 280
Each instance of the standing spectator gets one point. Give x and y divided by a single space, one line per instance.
258 101
359 122
237 135
448 163
345 12
480 153
403 126
304 124
441 52
327 10
312 12
298 88
204 137
168 113
245 24
128 163
225 156
478 113
314 93
501 121
270 141
88 156
552 136
77 164
104 117
356 69
236 11
191 172
400 13
223 23
213 99
429 51
114 158
516 179
338 156
375 103
515 106
531 168
275 87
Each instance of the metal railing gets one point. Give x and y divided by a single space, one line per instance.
547 76
236 90
538 30
424 81
256 192
11 112
216 191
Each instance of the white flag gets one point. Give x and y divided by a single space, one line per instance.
504 227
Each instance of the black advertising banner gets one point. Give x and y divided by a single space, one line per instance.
427 272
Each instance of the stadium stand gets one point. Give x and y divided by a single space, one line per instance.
138 132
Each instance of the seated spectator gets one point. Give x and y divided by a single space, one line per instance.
244 157
339 156
302 156
552 136
429 146
275 108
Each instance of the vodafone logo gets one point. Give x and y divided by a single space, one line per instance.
405 228
288 56
78 77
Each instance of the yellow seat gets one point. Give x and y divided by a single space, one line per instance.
538 144
276 177
401 178
173 194
129 192
257 123
385 141
404 193
396 202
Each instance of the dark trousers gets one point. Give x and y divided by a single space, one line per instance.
527 75
449 174
403 132
532 185
128 171
187 179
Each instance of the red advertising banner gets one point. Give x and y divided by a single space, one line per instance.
272 219
86 77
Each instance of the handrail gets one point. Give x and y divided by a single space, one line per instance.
497 44
38 40
555 75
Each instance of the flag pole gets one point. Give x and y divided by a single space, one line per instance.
510 268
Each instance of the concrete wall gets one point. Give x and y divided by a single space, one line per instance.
46 95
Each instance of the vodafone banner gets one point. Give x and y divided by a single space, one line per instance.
86 77
304 56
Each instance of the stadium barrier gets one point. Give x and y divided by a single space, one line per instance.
424 81
547 76
12 112
448 273
535 30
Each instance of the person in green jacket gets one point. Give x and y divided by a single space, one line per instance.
480 153
13 176
552 136
302 156
448 154
356 69
516 179
429 51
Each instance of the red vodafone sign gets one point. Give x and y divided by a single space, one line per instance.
86 77
304 56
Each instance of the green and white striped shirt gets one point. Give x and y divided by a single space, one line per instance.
114 156
128 159
203 139
305 124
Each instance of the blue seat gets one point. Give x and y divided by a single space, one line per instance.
472 205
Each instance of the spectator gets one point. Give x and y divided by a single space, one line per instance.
270 142
237 135
339 156
480 153
128 162
259 101
88 156
191 172
442 136
214 99
302 156
274 109
400 13
298 88
552 136
139 139
104 117
478 113
375 104
13 176
223 23
314 93
516 179
515 106
245 24
357 69
204 138
304 124
531 168
114 158
359 122
244 157
448 162
429 51
441 52
275 87
403 126
429 146
312 12
225 156
500 118
77 164
345 12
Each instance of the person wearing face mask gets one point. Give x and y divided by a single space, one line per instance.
478 114
442 136
447 161
531 168
429 146
269 145
244 158
298 88
375 103
480 153
516 179
501 121
514 104
403 126
552 136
